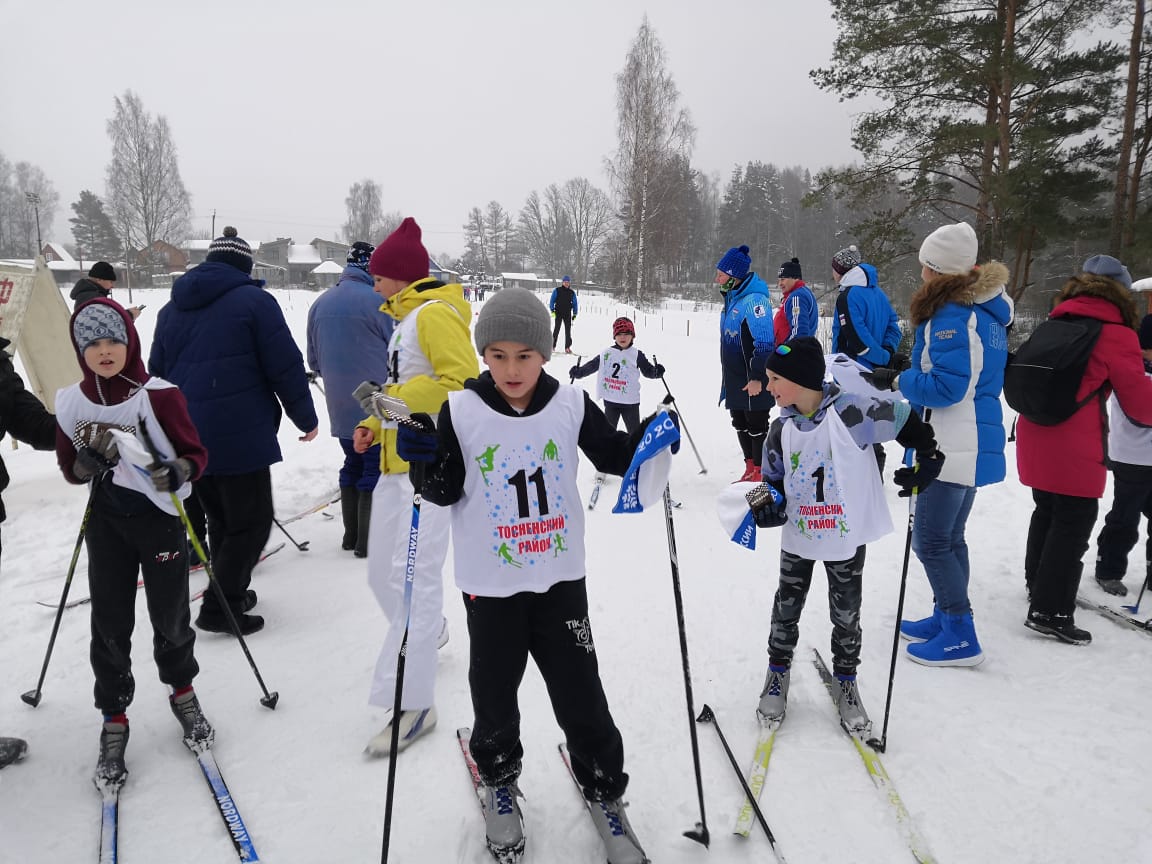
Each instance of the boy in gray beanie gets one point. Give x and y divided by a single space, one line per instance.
504 460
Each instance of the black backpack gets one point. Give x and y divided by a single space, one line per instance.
1043 376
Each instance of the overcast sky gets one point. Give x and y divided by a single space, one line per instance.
278 106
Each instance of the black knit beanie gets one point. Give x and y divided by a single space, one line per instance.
801 361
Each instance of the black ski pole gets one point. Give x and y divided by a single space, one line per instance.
671 400
881 743
416 473
268 700
300 547
706 716
1135 609
700 832
572 376
32 697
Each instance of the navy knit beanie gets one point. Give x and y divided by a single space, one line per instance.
230 249
736 262
359 254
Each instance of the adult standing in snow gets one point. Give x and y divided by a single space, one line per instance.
25 419
1064 464
99 282
564 307
224 342
798 314
955 383
864 325
1130 461
746 341
432 356
347 342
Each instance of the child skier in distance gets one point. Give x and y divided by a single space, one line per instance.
504 459
818 456
133 526
620 365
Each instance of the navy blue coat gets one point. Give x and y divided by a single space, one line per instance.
224 342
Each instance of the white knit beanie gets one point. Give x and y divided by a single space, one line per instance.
950 249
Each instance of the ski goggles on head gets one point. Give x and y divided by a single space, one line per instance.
783 350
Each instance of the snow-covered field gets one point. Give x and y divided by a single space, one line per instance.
1039 755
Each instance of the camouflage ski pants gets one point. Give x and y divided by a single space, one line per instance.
844 592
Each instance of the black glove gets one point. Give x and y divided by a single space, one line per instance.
417 445
312 376
768 506
575 368
882 378
659 370
170 476
920 476
96 458
898 362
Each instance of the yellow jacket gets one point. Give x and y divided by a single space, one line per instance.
444 334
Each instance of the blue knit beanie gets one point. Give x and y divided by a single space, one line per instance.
231 249
97 321
736 262
1106 265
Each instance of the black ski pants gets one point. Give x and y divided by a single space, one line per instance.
751 427
239 510
845 588
553 628
1132 499
120 547
1058 537
565 318
613 411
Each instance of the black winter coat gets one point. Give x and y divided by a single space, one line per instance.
85 290
21 415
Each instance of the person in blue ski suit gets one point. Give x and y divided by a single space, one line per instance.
746 342
865 326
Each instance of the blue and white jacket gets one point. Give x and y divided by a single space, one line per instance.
348 343
746 341
869 330
957 371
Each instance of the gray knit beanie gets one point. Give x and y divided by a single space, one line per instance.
514 315
97 321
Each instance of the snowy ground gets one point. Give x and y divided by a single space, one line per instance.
1039 755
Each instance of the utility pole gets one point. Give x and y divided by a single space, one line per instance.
34 199
213 222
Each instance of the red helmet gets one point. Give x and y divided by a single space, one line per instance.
623 325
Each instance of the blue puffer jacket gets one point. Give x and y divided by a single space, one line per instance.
224 342
348 343
872 331
746 341
958 361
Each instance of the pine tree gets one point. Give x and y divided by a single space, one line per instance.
93 230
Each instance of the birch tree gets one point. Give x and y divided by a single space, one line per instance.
653 131
145 193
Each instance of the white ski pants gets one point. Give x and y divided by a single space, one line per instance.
388 538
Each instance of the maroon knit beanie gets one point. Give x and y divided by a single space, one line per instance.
401 255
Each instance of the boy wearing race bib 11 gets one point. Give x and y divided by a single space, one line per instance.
818 455
504 459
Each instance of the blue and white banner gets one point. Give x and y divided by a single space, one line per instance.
735 515
644 482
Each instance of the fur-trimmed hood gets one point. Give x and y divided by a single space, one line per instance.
984 283
1087 285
